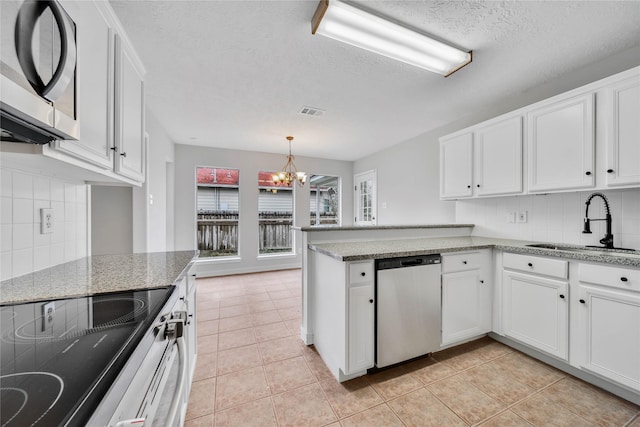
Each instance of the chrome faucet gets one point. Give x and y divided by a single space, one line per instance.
607 240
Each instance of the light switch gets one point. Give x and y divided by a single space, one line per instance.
511 217
46 220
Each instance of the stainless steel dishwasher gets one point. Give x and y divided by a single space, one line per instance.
408 308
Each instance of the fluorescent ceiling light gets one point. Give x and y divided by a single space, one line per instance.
345 23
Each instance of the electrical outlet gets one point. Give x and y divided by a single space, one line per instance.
46 220
522 216
384 205
511 217
48 310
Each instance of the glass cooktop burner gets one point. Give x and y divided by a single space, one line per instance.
58 358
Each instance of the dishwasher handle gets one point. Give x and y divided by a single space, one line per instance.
412 263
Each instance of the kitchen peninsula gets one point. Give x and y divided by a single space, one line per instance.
501 287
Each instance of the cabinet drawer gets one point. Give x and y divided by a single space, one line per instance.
461 261
533 264
360 272
616 277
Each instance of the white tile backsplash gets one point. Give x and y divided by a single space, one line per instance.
6 210
23 211
41 188
555 217
23 248
22 185
22 261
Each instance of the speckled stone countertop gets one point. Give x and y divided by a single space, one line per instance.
378 227
97 274
357 251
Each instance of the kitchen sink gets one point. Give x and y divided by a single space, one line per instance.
585 249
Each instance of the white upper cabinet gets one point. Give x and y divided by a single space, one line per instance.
588 138
110 99
623 153
484 160
95 86
456 166
498 157
129 113
561 145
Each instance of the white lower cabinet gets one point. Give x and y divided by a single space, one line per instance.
466 295
608 310
191 329
342 314
360 329
535 306
535 312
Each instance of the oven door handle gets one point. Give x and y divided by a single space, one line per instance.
182 366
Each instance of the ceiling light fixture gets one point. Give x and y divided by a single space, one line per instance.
345 23
289 172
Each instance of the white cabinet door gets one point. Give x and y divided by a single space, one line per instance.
455 166
623 157
360 329
466 305
609 330
129 114
561 144
94 86
192 321
535 312
497 158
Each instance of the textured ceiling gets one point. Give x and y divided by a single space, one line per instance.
234 74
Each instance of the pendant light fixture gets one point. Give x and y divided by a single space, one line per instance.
348 24
289 172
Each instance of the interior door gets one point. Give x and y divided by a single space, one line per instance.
365 198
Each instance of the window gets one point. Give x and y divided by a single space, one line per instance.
275 215
325 200
217 207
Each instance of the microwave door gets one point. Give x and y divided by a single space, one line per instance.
41 59
18 97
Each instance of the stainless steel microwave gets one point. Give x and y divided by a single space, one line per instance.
37 72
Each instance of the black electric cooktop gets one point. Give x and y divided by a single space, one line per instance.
58 358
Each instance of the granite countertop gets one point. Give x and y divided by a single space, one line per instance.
358 251
97 274
377 227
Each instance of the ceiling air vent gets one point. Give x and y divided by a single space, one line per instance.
310 111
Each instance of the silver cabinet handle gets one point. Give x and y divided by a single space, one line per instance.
28 16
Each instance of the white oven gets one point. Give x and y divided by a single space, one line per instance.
152 388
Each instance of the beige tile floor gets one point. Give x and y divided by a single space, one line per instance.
253 370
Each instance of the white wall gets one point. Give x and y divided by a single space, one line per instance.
23 248
556 217
111 220
153 202
407 181
187 158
